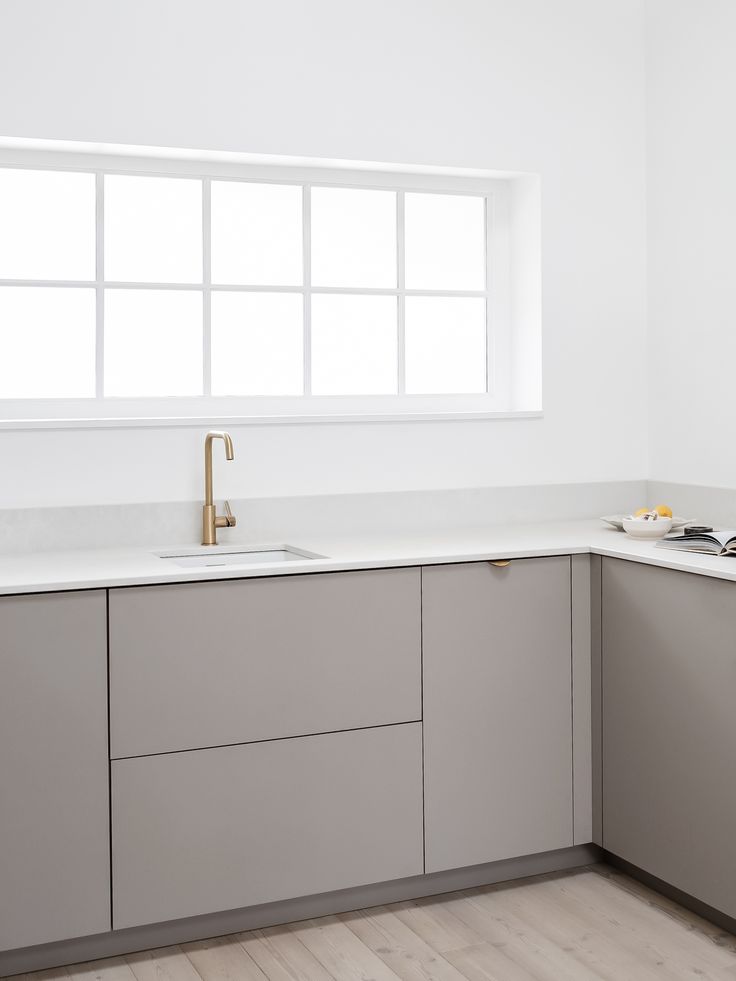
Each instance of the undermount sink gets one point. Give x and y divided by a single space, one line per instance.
213 556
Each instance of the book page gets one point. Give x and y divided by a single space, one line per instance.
721 538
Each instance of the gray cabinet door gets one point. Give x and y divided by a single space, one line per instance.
212 664
497 711
669 727
218 829
54 818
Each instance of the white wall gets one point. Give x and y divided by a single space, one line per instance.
692 239
531 85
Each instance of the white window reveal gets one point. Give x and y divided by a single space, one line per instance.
156 292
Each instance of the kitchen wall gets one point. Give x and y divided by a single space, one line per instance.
691 97
552 88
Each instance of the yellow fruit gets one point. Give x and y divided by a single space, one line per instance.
640 512
663 511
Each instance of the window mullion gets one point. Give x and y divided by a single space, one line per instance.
489 272
99 285
206 286
401 284
307 273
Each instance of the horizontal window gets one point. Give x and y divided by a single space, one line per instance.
241 294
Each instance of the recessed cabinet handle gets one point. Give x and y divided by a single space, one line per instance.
500 563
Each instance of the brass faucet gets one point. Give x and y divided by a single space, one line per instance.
211 521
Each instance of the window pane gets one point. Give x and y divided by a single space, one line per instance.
257 344
153 230
153 343
445 242
445 345
354 345
256 234
47 338
353 237
47 225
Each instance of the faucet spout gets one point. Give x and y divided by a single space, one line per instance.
211 521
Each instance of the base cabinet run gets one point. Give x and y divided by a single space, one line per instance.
669 727
218 829
54 820
497 710
275 739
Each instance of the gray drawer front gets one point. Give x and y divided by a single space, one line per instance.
214 664
219 829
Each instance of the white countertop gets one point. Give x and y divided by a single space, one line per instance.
36 572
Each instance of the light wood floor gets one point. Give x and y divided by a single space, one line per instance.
589 924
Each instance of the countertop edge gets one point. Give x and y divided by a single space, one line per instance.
54 572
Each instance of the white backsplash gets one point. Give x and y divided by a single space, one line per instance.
704 505
283 519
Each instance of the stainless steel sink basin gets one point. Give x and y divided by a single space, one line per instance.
213 556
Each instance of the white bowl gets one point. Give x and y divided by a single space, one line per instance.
617 521
647 528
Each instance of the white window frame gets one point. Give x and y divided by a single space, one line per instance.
113 412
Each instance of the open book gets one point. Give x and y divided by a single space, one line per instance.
711 542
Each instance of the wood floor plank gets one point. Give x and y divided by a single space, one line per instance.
436 924
282 956
398 946
108 969
222 959
162 964
684 950
675 956
465 949
338 949
570 946
522 944
583 935
685 917
486 962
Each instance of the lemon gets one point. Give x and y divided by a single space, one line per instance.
663 511
640 512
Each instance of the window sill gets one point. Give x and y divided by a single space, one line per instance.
275 419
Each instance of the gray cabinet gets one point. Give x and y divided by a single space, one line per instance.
497 710
218 829
212 664
54 820
669 726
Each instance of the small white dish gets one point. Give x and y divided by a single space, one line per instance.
647 528
617 521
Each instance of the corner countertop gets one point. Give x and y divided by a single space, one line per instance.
36 572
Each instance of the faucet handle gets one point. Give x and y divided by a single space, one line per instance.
229 516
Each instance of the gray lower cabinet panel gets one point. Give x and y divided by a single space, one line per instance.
497 711
54 821
211 664
219 829
669 727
